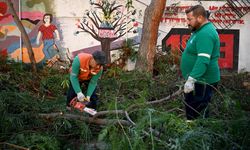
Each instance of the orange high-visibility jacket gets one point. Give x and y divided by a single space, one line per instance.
85 72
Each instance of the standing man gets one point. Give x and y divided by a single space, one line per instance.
86 70
199 63
47 30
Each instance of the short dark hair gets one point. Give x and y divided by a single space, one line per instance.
197 11
47 14
99 57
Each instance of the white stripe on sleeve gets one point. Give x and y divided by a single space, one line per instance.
204 54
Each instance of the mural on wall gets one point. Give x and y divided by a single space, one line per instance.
107 22
31 16
73 18
40 6
175 42
47 31
176 14
6 27
3 11
231 28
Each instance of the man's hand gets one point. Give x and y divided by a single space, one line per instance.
87 99
189 85
80 97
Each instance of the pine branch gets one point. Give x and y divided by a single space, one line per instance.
96 120
156 101
13 146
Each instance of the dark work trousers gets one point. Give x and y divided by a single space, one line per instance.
71 94
196 102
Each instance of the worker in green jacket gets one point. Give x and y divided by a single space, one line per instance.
86 69
199 63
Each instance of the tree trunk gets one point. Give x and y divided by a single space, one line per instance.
152 18
23 34
106 48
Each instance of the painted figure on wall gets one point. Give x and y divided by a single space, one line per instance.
47 31
3 30
3 10
3 33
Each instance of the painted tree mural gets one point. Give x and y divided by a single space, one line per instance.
106 22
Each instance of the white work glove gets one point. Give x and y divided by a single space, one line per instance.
37 42
189 85
87 99
80 97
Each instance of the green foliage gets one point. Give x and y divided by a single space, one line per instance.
41 141
24 95
18 110
65 84
128 50
113 72
51 84
117 139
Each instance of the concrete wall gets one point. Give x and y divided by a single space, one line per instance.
244 44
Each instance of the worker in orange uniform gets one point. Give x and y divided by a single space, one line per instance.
85 72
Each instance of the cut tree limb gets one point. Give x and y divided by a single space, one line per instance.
103 113
96 120
86 119
178 92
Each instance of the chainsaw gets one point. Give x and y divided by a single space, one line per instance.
81 106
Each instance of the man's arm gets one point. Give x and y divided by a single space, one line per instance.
204 47
74 75
93 83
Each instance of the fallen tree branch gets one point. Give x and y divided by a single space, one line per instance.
129 119
102 113
96 120
86 119
12 146
178 92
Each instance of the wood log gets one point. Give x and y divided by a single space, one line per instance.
86 119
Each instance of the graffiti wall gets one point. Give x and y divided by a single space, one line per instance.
69 15
234 49
176 40
9 34
30 13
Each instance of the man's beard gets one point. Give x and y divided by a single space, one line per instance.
195 27
191 28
